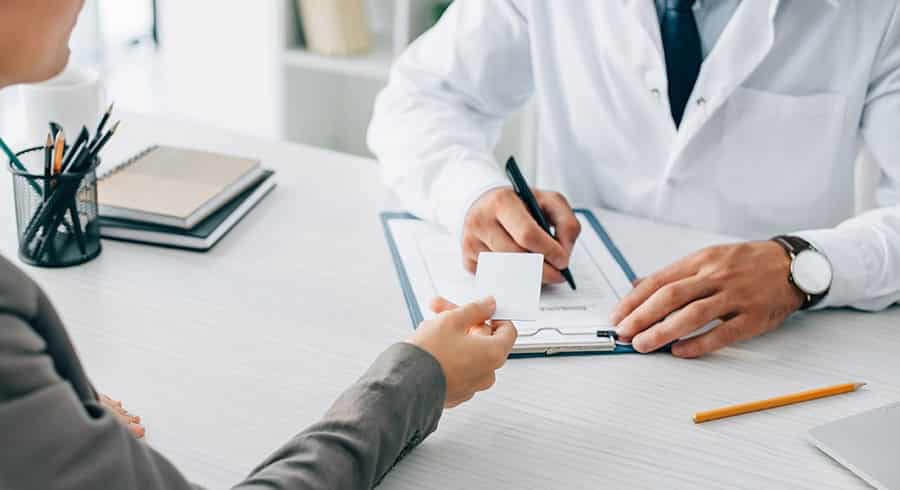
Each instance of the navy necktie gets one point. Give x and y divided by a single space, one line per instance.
681 43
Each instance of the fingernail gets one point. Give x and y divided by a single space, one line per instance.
638 343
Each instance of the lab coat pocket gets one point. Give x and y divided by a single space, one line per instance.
779 151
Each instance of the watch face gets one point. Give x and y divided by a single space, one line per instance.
811 272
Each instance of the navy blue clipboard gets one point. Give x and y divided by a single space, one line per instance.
415 311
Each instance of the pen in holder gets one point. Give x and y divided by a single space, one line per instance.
56 215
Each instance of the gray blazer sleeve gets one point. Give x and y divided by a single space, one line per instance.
367 431
55 434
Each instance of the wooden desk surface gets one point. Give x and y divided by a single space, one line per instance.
227 354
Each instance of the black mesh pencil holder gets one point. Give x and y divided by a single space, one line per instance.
56 216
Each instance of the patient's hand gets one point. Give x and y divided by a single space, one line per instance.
468 349
132 422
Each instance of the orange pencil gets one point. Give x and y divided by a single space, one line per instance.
803 396
59 147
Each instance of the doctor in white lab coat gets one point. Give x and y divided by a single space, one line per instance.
737 116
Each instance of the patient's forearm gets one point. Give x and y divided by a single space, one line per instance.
56 434
386 413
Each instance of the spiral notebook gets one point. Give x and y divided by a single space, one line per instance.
201 237
174 187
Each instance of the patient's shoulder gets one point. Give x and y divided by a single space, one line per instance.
19 295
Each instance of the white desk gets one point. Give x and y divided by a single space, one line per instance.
229 353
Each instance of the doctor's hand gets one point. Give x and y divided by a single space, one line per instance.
499 222
468 349
746 286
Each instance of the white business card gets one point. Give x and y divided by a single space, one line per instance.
514 279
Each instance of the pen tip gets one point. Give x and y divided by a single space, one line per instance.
115 127
859 385
111 105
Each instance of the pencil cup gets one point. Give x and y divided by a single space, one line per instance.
56 216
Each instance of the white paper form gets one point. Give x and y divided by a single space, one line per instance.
434 266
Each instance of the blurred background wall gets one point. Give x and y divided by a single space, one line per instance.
215 64
246 66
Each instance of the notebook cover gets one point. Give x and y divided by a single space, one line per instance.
203 230
167 183
415 312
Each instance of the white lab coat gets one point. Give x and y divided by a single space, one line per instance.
767 145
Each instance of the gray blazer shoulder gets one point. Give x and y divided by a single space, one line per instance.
57 435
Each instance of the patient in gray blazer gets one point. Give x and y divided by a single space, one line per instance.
56 433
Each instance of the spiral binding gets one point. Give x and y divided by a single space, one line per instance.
127 163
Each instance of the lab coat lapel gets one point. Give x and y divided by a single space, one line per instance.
645 13
742 46
634 33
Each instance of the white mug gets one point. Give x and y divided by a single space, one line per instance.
74 98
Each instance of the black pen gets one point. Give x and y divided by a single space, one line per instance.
524 192
80 145
82 139
48 166
54 129
95 149
99 133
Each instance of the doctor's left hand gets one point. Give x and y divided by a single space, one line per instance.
746 286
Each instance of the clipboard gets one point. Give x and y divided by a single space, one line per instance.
602 342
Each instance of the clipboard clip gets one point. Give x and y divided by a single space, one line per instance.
552 340
608 333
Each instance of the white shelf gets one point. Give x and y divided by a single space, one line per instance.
375 65
326 100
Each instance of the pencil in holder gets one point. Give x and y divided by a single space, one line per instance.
56 216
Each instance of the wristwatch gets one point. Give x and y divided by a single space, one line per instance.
811 271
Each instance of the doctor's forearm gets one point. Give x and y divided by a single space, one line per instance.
865 255
436 124
865 250
438 165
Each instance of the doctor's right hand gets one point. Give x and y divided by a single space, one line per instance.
499 222
468 349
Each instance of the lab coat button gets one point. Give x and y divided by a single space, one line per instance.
701 102
656 93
